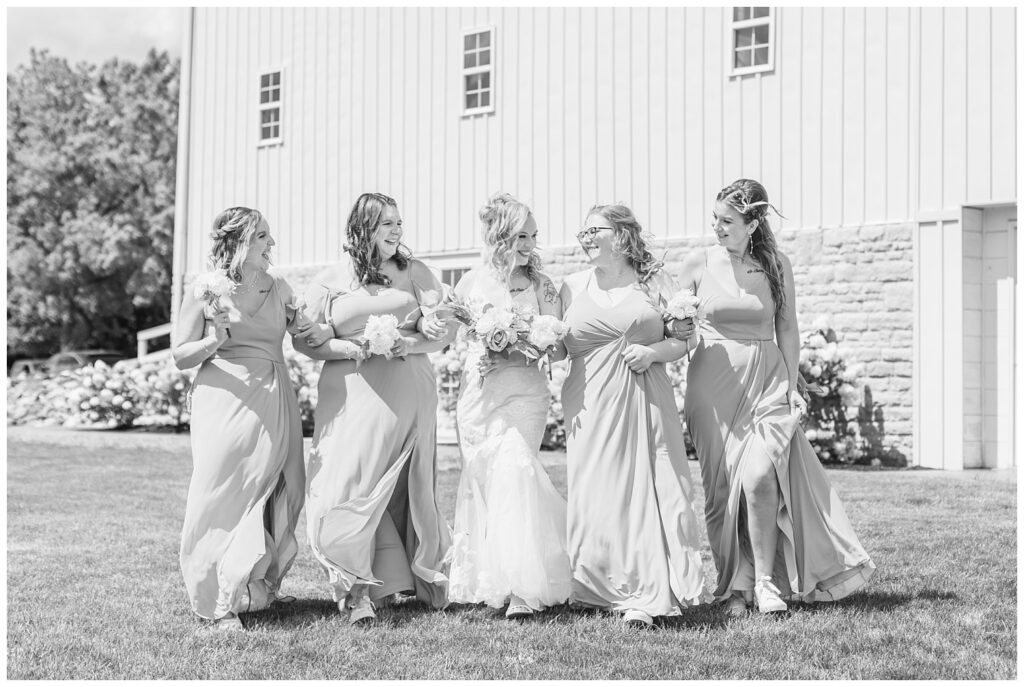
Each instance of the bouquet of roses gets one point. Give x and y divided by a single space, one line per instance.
504 330
380 335
212 287
681 306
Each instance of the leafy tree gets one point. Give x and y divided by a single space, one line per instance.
90 201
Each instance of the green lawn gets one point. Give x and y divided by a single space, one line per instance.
94 591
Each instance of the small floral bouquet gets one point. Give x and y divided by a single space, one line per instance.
380 335
213 286
681 306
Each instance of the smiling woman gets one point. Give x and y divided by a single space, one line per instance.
373 522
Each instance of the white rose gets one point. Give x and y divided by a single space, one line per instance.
829 352
811 434
816 341
546 331
815 370
381 333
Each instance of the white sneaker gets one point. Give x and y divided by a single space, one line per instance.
638 619
767 596
360 609
517 608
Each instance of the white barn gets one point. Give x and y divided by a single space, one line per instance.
886 136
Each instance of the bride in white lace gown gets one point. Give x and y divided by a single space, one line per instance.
510 533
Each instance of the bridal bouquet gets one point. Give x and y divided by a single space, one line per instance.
212 287
504 330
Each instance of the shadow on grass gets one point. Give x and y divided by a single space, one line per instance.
879 601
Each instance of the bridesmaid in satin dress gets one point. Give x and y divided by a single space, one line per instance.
633 535
247 487
372 517
776 526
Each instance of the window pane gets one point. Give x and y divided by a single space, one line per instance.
485 57
471 101
275 78
760 55
264 80
742 59
761 35
264 133
264 97
265 117
485 99
470 42
469 61
473 82
275 94
760 12
485 80
740 13
744 37
484 39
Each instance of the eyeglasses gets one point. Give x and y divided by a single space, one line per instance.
590 232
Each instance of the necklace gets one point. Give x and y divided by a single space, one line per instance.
248 287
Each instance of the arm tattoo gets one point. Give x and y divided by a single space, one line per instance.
550 295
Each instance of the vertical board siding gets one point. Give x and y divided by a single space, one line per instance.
954 106
870 116
1004 103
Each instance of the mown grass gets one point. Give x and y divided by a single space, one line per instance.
94 591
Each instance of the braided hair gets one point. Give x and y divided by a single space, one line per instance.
232 233
361 234
630 239
749 198
503 216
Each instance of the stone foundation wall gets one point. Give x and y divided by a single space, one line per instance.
862 277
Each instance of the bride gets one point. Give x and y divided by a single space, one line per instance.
509 540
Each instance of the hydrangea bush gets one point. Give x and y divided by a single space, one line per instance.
154 393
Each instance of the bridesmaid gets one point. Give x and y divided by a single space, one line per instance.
372 516
509 519
633 535
776 526
238 539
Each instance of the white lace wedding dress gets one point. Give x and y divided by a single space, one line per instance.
510 532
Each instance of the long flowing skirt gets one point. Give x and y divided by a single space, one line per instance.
634 541
372 515
238 539
509 519
736 406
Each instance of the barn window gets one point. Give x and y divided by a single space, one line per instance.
270 108
752 40
478 71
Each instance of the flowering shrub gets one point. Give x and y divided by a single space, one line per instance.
834 401
129 393
132 393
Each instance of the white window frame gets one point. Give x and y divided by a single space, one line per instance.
470 71
734 26
274 104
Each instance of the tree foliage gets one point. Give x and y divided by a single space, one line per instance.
90 201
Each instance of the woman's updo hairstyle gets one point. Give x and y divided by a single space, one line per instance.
630 239
502 218
749 199
232 233
361 239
